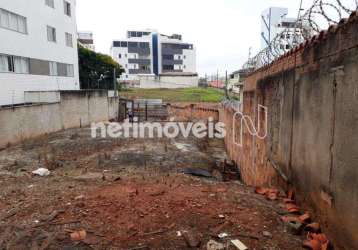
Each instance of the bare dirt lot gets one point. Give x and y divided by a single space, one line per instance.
128 194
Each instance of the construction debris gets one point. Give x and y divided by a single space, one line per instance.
191 239
267 234
239 245
42 172
149 208
316 242
313 227
78 235
213 245
198 172
294 227
223 235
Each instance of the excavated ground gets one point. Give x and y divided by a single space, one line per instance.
128 194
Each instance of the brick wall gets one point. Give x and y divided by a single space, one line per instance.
193 112
312 98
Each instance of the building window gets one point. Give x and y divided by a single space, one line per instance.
51 34
168 67
69 40
14 64
6 64
67 8
65 69
50 3
53 68
119 56
70 70
21 65
168 57
12 21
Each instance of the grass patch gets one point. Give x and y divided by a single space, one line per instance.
176 95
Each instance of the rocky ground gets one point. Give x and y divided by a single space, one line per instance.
130 194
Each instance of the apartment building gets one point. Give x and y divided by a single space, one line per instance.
38 48
151 53
274 21
85 39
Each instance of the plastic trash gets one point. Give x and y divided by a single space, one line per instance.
42 172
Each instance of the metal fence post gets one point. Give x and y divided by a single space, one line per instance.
146 111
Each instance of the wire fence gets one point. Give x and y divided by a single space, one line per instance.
319 16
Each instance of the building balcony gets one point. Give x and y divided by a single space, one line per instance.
172 51
139 61
172 62
139 51
139 71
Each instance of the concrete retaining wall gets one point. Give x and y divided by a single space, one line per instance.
75 109
170 82
312 98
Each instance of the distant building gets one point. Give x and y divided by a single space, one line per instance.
85 39
38 48
274 21
150 53
236 82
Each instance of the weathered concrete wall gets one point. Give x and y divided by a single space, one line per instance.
170 82
312 98
15 122
76 109
114 108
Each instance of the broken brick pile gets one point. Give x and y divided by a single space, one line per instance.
297 222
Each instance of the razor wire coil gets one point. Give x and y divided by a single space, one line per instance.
319 16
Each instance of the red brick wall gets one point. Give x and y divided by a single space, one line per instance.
312 98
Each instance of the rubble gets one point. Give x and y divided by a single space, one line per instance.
191 239
294 227
78 235
144 202
267 234
41 172
223 235
213 245
239 245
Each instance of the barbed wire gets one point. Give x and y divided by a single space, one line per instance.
319 16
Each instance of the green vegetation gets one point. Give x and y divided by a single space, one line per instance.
176 95
96 70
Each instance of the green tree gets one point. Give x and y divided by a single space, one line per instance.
97 70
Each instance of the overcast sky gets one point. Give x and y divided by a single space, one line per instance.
222 30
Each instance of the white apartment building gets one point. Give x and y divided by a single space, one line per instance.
274 21
38 48
85 38
151 53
